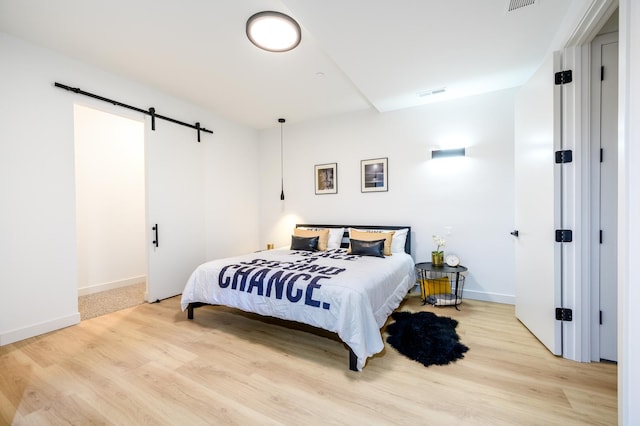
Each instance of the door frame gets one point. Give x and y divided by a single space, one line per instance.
578 291
628 213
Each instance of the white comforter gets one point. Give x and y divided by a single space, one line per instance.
349 295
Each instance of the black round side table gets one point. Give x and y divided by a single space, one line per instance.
434 287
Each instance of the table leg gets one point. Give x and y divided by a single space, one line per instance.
456 290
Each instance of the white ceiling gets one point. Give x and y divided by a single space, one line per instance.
354 54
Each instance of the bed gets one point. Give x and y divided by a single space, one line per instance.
348 293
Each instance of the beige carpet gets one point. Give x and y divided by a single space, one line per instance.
105 302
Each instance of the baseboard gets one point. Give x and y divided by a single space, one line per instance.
110 286
489 297
483 296
38 329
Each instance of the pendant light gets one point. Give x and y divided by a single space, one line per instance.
281 121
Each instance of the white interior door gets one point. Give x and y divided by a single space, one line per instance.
538 290
175 203
605 140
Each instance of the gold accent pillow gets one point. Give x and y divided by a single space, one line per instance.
322 233
373 236
431 286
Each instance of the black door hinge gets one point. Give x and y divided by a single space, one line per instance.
564 77
564 235
564 314
564 156
600 317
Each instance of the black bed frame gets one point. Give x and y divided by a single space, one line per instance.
353 359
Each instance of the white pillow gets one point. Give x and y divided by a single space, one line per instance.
398 241
335 238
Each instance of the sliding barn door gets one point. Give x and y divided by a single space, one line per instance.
175 208
538 288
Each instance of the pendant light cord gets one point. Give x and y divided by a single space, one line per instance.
281 121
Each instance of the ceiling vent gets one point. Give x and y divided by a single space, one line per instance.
431 92
517 4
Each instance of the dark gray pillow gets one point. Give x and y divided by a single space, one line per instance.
368 248
304 243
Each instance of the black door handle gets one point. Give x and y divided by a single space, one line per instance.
514 233
155 229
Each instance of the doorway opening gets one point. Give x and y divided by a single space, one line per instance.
110 211
604 192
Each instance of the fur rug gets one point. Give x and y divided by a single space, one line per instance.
426 337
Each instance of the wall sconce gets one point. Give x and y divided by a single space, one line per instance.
444 153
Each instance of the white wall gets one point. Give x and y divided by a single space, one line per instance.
110 199
38 255
38 274
473 195
231 204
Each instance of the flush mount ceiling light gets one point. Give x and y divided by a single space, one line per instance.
273 31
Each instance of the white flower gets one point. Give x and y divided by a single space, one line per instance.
439 242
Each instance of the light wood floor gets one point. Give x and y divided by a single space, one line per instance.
150 365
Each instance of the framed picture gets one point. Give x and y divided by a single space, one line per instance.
374 175
326 178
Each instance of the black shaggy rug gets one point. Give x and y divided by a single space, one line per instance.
426 337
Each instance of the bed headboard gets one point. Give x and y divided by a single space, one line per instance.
345 237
